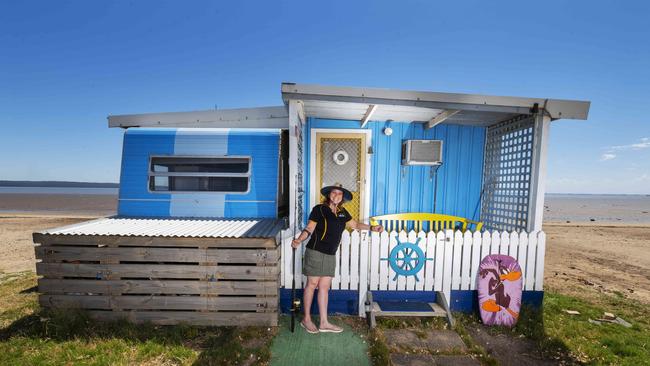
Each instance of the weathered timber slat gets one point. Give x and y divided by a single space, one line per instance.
94 240
180 287
110 271
160 302
190 317
52 254
167 271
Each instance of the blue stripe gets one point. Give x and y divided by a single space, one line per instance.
140 144
263 148
135 198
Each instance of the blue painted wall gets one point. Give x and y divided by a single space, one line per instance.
397 189
139 144
347 301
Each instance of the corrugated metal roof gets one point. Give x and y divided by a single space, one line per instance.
174 227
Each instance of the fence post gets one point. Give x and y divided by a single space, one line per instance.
476 259
364 249
465 265
530 262
539 264
447 267
439 261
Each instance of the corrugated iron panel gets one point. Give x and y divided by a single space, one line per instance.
397 189
186 228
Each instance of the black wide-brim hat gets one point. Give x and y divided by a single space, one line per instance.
347 195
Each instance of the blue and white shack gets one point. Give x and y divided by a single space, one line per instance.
460 176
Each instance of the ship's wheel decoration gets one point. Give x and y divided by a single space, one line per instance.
406 259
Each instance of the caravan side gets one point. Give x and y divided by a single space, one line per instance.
215 173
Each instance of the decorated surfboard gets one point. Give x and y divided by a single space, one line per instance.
499 286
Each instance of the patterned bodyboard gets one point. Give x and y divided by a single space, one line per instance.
499 283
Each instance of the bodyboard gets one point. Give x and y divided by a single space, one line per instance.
499 284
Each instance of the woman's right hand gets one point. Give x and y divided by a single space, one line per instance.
295 243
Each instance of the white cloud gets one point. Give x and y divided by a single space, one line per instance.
607 156
644 144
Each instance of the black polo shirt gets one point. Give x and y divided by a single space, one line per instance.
329 228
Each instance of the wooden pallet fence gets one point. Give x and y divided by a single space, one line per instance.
454 255
199 281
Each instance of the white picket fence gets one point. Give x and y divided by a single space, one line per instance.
455 260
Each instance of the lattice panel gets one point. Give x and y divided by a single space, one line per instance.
507 174
347 174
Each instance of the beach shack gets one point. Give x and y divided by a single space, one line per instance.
209 201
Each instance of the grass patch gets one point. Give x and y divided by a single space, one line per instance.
600 344
31 336
573 339
378 348
472 347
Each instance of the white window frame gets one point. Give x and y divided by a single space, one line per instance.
247 174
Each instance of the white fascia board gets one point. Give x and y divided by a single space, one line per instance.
556 108
263 117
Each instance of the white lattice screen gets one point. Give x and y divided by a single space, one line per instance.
507 174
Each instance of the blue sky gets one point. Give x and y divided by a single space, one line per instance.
65 66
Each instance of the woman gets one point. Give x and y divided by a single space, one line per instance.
326 224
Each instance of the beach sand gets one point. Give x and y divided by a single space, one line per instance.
581 258
23 214
587 259
16 246
58 204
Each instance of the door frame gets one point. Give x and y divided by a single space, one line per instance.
314 192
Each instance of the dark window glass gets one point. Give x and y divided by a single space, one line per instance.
199 165
187 174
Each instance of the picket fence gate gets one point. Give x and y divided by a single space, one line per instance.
453 265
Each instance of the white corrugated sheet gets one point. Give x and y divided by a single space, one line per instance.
176 227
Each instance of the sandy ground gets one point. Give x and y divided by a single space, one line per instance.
58 204
16 246
611 258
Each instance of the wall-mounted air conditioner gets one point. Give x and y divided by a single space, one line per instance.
422 152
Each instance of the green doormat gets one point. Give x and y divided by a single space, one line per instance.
302 348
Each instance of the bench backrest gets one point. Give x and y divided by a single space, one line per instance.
423 221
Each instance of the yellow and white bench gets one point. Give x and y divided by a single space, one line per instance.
425 221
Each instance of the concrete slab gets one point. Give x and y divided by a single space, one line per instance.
398 359
455 361
508 350
438 341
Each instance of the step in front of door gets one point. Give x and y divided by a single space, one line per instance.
407 308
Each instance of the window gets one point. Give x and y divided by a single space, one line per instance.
199 174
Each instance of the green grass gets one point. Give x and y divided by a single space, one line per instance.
597 344
30 336
572 339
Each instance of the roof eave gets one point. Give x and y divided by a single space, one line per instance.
556 108
262 117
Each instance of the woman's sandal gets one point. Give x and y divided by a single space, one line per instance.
307 329
335 329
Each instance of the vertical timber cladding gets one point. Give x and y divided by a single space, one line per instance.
507 174
163 280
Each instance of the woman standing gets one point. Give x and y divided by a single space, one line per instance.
326 224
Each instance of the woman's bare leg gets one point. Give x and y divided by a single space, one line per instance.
308 298
323 292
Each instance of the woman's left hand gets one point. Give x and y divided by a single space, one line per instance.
376 228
